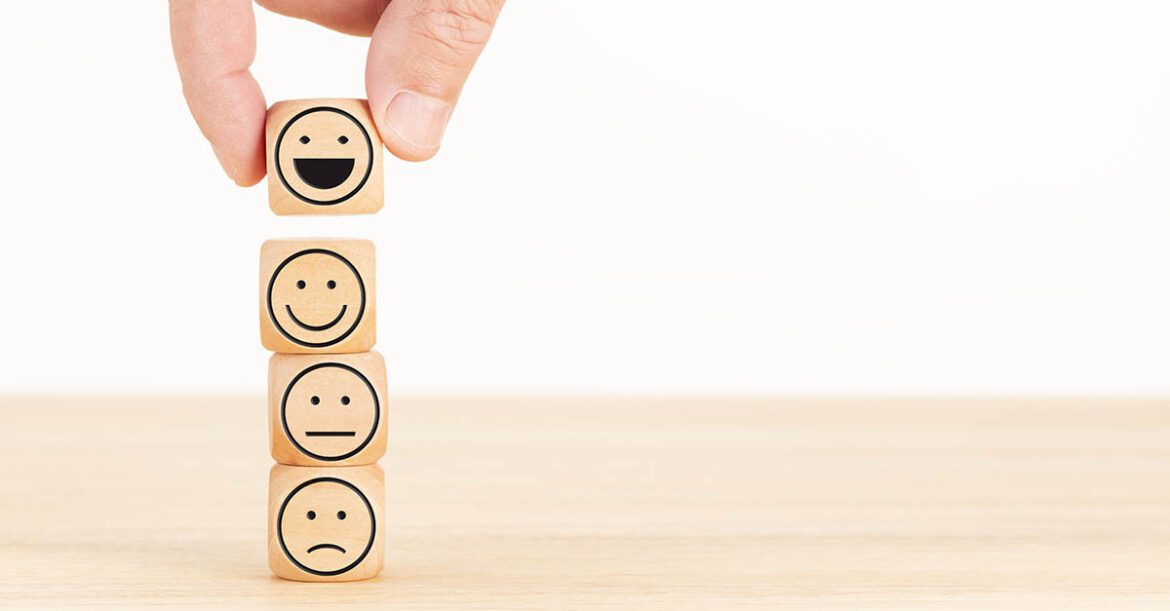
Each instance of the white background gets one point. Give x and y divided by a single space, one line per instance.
770 197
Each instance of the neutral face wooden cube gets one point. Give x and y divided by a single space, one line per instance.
317 296
324 157
326 523
327 410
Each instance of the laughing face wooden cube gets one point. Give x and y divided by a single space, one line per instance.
317 296
324 157
326 523
327 410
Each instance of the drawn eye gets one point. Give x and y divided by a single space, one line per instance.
304 139
345 400
300 284
312 515
343 139
331 284
315 400
341 515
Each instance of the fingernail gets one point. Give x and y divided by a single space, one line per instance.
225 164
418 119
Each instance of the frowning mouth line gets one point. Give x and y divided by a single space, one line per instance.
330 433
323 327
325 546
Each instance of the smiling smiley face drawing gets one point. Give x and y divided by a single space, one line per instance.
323 155
316 298
330 411
326 526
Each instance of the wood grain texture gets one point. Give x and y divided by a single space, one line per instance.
612 503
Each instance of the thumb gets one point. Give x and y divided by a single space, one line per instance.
420 55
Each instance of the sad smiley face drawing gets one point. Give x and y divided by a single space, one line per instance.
325 523
323 155
326 526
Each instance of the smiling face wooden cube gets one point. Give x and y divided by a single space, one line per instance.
324 157
317 296
327 410
326 523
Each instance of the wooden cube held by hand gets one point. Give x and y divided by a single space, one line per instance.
324 157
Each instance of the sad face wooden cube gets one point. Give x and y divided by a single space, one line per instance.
326 523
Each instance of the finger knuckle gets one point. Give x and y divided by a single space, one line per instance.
459 26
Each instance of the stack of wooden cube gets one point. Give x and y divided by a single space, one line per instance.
326 389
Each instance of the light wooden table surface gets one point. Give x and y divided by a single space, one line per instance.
610 503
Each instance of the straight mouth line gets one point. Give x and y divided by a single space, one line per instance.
323 327
325 546
330 433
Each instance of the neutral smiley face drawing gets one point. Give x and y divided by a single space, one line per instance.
326 526
323 156
316 298
330 411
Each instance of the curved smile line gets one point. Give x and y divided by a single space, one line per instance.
323 327
325 546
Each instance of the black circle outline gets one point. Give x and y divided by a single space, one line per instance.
280 526
272 282
280 172
284 405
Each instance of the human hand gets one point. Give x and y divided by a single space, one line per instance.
421 52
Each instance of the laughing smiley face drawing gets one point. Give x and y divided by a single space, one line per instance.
316 298
323 156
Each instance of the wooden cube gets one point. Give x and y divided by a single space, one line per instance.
324 157
326 523
317 296
327 410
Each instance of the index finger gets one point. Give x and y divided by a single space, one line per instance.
214 43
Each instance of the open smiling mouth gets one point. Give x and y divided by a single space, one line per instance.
323 327
325 546
323 173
